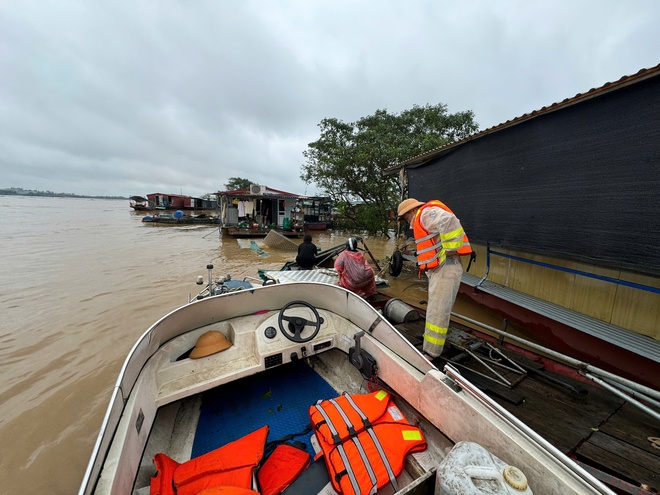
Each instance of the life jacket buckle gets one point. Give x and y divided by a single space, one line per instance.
340 475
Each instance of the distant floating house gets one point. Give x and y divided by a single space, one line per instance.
268 207
139 203
317 212
162 201
261 205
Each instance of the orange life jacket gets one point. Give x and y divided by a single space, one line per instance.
280 469
161 484
231 465
365 439
227 490
432 246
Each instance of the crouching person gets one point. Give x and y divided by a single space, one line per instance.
355 273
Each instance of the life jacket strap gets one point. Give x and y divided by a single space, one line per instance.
374 438
340 448
358 445
349 426
340 475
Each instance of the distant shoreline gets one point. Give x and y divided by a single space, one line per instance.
49 194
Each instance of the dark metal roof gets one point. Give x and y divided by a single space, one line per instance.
184 196
642 75
268 192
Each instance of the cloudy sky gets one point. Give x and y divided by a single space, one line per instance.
121 97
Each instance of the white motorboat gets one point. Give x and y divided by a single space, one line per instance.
166 402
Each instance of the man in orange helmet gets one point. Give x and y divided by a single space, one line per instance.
440 241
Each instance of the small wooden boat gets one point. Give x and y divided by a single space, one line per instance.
139 203
292 346
238 232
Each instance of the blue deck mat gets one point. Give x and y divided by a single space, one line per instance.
279 398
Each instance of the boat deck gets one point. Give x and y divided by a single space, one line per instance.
280 399
608 436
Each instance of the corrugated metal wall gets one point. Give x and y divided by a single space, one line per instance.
582 182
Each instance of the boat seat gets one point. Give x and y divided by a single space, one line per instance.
641 345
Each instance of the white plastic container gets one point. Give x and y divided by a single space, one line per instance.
470 469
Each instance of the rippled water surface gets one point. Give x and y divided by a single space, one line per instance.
82 279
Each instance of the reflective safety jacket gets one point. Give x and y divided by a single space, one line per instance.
228 469
365 439
432 246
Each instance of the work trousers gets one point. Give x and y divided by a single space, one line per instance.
443 288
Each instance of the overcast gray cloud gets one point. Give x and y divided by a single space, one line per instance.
131 97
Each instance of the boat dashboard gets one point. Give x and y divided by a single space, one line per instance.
258 341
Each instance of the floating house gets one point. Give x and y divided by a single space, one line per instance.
266 208
561 206
259 205
162 201
317 212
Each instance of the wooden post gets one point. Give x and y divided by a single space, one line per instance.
371 255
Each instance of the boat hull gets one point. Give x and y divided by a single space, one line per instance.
158 375
257 233
181 221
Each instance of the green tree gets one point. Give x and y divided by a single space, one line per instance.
238 183
348 159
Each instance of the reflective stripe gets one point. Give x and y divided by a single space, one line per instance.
349 425
411 435
435 257
425 238
430 248
433 340
365 461
358 446
435 329
453 241
454 233
374 438
441 255
340 449
453 246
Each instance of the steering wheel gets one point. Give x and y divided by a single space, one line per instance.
296 324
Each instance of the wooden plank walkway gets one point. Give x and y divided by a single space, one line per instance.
627 445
